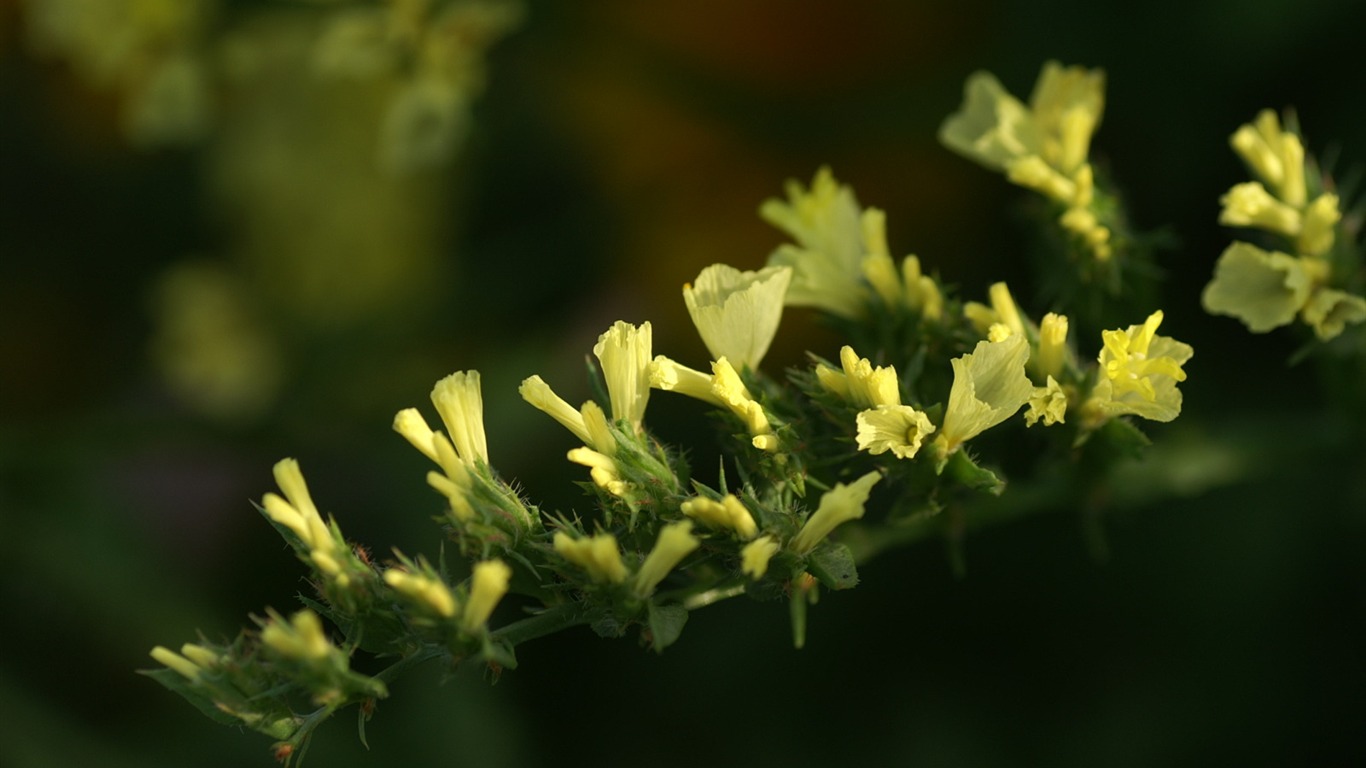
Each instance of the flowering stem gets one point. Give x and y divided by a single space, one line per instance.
550 621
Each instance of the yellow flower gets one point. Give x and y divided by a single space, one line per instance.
672 376
675 542
827 260
432 594
896 428
1329 311
992 127
461 404
921 292
624 352
756 554
603 469
1053 351
860 383
1274 155
729 512
1250 205
877 266
737 313
1262 289
191 664
1067 104
1320 219
535 391
989 386
296 510
598 555
723 388
1139 371
488 584
1048 403
300 639
838 505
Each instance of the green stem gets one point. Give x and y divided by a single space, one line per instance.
548 622
427 653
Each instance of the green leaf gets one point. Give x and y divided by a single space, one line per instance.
192 693
833 564
666 624
1124 438
966 472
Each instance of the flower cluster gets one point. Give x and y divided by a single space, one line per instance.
1306 272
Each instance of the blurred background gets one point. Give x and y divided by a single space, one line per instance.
236 231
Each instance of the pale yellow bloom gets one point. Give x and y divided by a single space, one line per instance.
729 512
730 389
756 554
1330 311
992 127
1033 173
838 505
1139 371
877 266
410 424
989 386
1250 205
827 262
1067 104
1048 403
624 352
723 388
737 313
1263 289
672 376
301 638
1052 353
1320 220
1276 156
896 428
921 292
169 658
861 383
296 510
675 542
602 468
598 555
535 391
488 584
427 592
1006 311
461 404
201 656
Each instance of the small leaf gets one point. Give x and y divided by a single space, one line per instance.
191 693
666 624
966 472
833 564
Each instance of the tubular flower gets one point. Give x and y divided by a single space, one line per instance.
1250 205
1139 371
723 388
989 386
624 352
1276 156
877 266
729 512
838 505
675 542
192 661
921 292
488 584
737 313
861 383
1320 219
598 555
430 593
827 260
1049 359
756 554
297 512
535 391
896 428
300 639
672 376
1329 311
461 404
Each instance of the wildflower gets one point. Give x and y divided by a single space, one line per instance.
428 592
598 555
921 292
896 428
724 388
459 401
672 376
860 383
838 505
1262 289
992 127
827 260
675 542
301 638
1276 156
729 512
1139 371
1048 360
488 584
190 663
877 267
737 313
756 554
297 512
1320 219
1250 205
1067 104
535 391
603 469
1048 403
1330 311
624 352
989 386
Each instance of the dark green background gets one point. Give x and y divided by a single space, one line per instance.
1228 624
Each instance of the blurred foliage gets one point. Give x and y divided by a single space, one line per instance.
620 147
